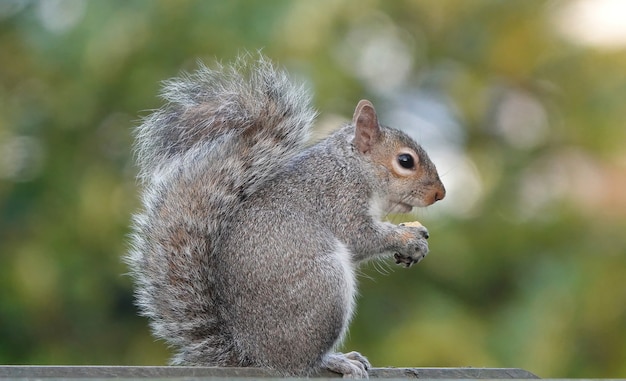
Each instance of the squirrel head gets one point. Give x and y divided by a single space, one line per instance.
411 179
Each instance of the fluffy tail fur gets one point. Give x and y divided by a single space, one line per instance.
222 134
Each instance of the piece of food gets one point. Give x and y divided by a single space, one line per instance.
415 224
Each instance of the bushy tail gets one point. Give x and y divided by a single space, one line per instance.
222 134
252 102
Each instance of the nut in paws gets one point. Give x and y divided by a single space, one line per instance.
416 249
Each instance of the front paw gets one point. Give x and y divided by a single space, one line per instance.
415 246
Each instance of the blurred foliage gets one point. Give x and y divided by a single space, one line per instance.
525 124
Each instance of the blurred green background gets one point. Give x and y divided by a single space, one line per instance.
521 104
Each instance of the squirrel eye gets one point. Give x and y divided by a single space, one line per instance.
406 161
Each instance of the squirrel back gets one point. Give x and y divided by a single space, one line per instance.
218 138
246 248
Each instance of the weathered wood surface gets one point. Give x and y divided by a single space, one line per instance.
172 372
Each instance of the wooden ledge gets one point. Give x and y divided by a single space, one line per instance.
170 372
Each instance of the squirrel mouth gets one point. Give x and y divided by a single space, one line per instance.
400 207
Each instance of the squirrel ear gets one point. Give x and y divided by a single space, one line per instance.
366 127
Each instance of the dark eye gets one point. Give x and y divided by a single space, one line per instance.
406 161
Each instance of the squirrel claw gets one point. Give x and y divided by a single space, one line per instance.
407 261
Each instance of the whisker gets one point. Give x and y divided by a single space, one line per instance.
361 274
378 269
383 267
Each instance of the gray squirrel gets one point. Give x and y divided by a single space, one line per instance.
247 244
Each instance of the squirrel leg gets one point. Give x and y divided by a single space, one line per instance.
351 365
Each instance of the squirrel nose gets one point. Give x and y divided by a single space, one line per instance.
440 194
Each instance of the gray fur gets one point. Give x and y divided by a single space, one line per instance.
246 248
